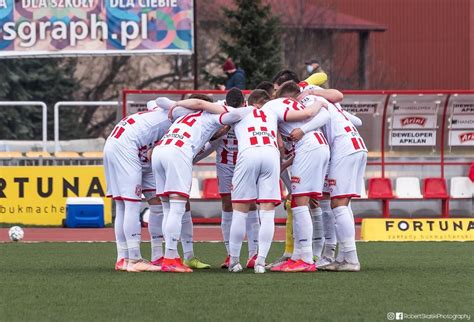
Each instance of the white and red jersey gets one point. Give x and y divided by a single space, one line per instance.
190 132
141 130
228 149
342 135
310 141
258 128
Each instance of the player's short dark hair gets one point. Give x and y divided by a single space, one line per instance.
284 76
203 97
288 89
258 96
235 97
266 86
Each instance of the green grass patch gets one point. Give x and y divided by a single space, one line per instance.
76 281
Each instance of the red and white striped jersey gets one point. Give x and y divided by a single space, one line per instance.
342 135
142 130
310 140
227 149
258 128
190 132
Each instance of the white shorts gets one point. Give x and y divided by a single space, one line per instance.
346 175
225 172
123 172
257 176
308 171
173 171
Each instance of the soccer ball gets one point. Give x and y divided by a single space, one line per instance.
16 233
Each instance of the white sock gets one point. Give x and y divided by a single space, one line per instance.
302 220
132 229
237 234
265 234
226 222
166 212
121 241
346 233
252 227
329 225
351 256
155 228
296 251
187 236
173 226
318 231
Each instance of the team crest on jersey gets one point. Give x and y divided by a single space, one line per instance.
331 182
295 179
138 190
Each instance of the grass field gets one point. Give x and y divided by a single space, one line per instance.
62 282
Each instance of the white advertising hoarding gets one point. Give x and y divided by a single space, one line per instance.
461 138
413 138
462 121
463 108
423 107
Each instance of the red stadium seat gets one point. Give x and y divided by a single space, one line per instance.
381 188
210 189
435 188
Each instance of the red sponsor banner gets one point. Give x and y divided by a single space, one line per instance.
414 121
461 138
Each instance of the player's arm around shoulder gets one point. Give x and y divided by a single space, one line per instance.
234 115
304 114
332 95
197 104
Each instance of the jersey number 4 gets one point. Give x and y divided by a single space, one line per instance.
260 115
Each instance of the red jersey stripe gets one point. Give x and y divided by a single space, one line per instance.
224 156
355 143
319 138
119 132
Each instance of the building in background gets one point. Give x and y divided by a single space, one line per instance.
428 44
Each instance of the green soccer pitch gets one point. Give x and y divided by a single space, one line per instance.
76 282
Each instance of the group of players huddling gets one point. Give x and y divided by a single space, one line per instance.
285 129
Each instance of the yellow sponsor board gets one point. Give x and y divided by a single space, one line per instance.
453 229
33 195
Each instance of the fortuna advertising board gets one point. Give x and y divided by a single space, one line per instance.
32 195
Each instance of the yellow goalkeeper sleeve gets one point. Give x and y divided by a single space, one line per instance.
317 79
289 243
